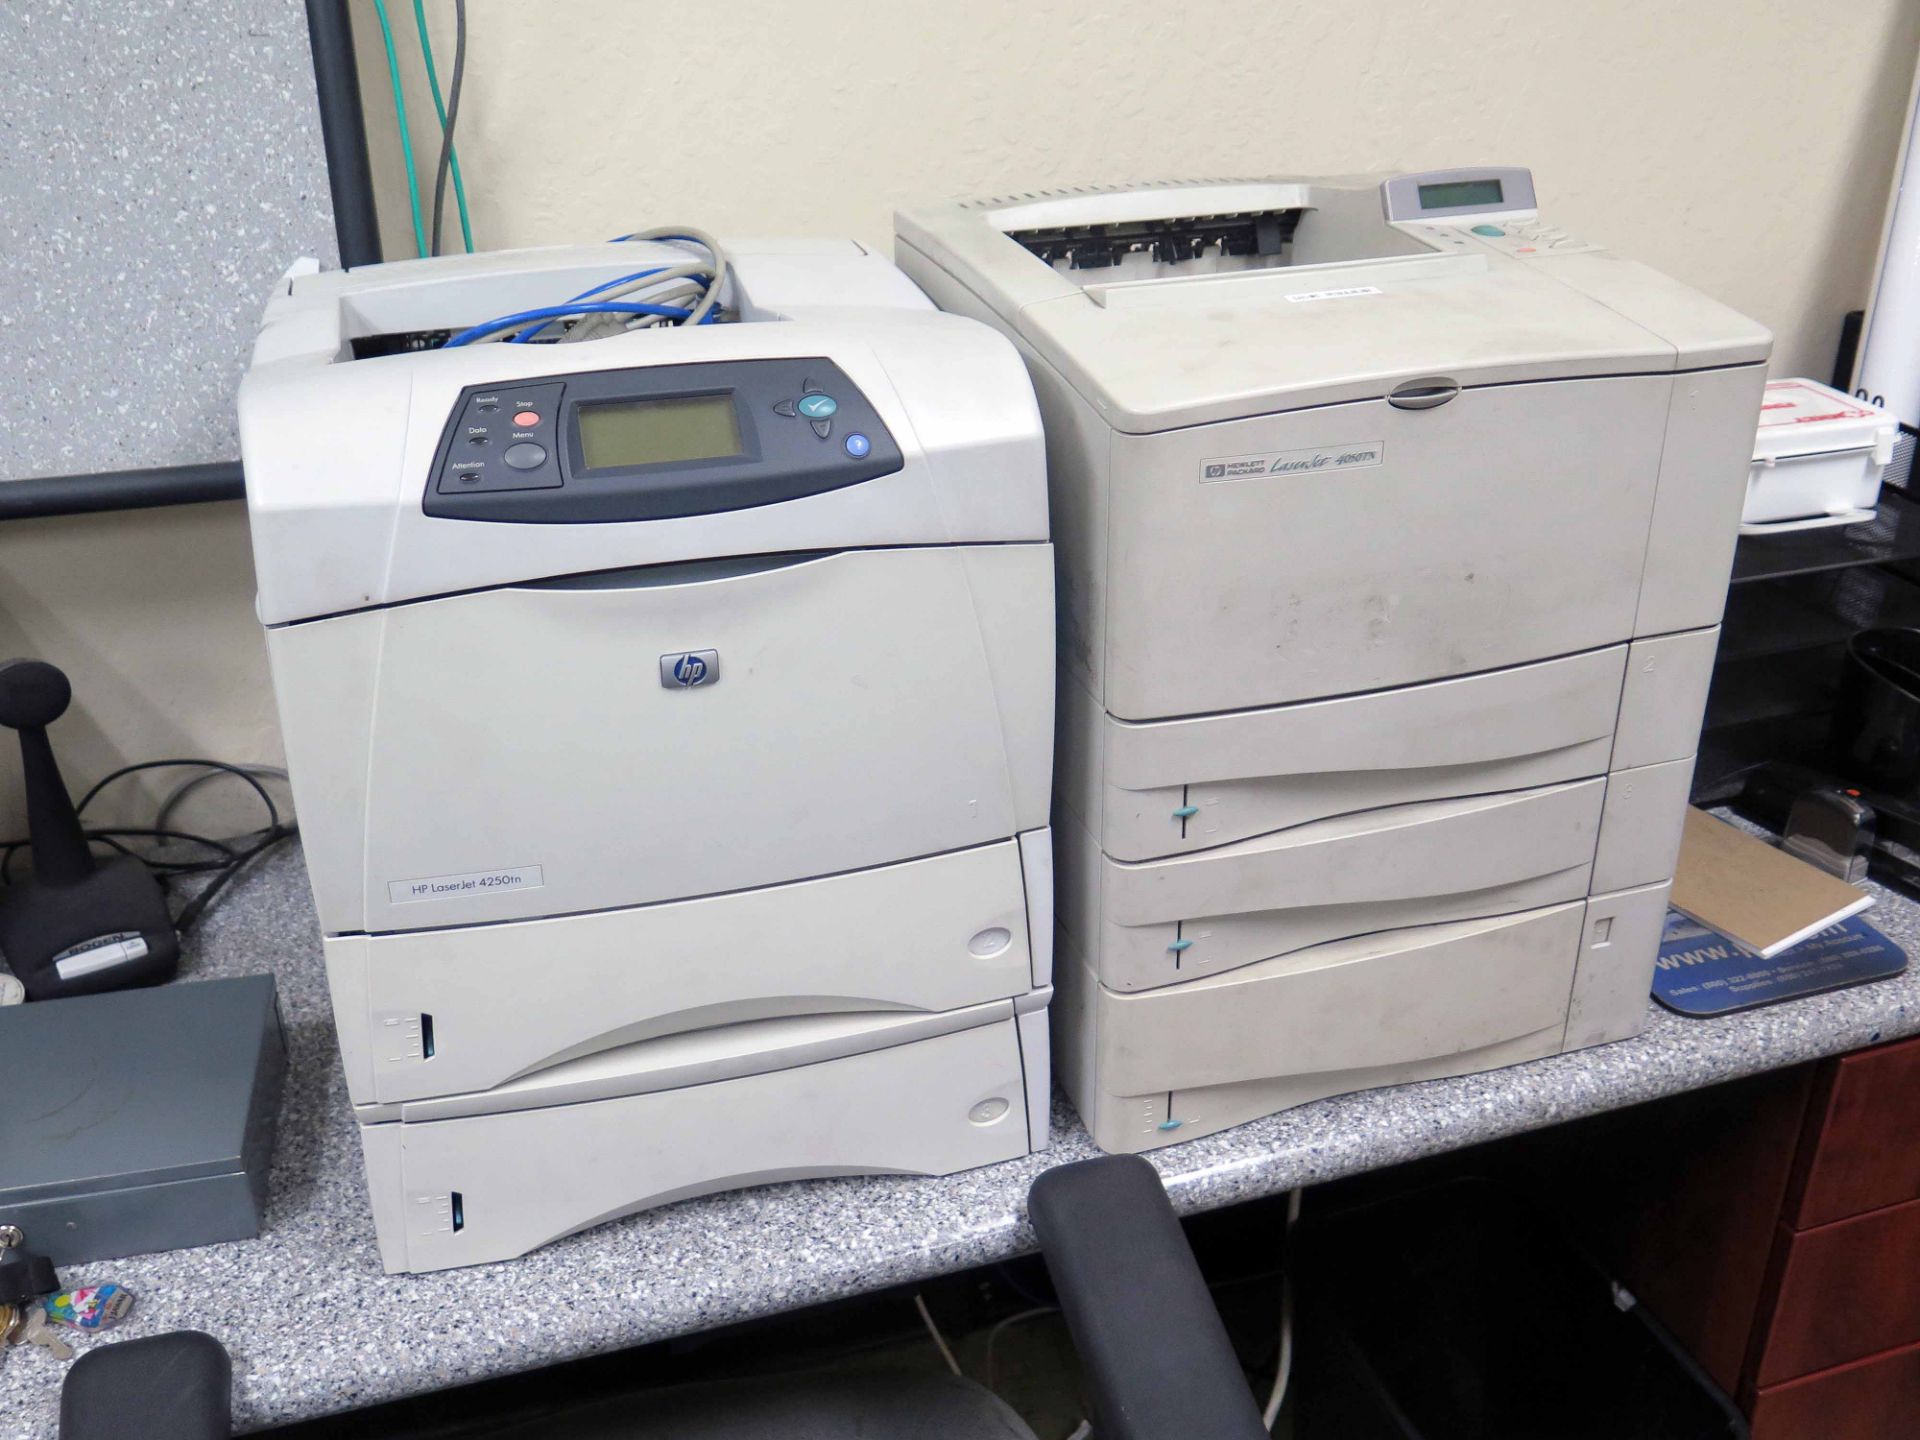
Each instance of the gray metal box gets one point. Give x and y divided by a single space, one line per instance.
141 1120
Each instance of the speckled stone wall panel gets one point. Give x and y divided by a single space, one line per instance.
160 166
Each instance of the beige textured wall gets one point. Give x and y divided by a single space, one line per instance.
1743 145
151 614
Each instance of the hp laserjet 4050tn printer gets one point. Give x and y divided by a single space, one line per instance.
1394 525
670 717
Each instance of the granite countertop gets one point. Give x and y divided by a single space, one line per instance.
315 1326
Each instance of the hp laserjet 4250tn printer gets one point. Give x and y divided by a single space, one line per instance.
670 716
1394 525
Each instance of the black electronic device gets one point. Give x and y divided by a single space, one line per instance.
1887 829
1875 732
25 1275
78 926
1832 827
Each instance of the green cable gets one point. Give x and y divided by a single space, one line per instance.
406 140
440 105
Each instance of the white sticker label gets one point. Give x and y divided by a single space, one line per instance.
1346 293
455 887
100 953
1319 460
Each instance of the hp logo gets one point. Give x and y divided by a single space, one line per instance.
688 668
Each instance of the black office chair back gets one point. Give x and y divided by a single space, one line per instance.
177 1386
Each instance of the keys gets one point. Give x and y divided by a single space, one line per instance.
85 1308
90 1307
34 1330
24 1279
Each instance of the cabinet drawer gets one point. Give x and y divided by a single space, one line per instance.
1870 1399
1862 1150
1841 1293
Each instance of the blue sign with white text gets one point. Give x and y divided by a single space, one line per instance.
1701 972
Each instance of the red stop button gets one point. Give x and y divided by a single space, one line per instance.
526 419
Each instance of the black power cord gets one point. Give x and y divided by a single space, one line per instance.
228 856
239 772
194 909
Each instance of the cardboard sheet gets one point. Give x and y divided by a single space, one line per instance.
1759 897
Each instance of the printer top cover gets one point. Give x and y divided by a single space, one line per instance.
349 392
1137 297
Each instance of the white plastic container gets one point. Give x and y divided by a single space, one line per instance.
1817 459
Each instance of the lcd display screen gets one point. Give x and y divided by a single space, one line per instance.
618 434
1450 194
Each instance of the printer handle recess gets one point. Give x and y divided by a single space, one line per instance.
1427 394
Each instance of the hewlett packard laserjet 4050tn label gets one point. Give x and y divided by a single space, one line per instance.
1320 460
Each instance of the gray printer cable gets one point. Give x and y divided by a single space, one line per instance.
638 299
448 119
670 285
933 1330
1277 1397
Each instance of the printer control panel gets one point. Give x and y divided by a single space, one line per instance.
1524 236
1457 210
655 443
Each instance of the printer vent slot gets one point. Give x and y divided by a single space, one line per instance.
1259 238
1061 192
400 342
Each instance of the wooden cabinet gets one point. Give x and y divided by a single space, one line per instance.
1873 1399
1839 1293
1772 1224
1835 1350
1680 1199
1861 1147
